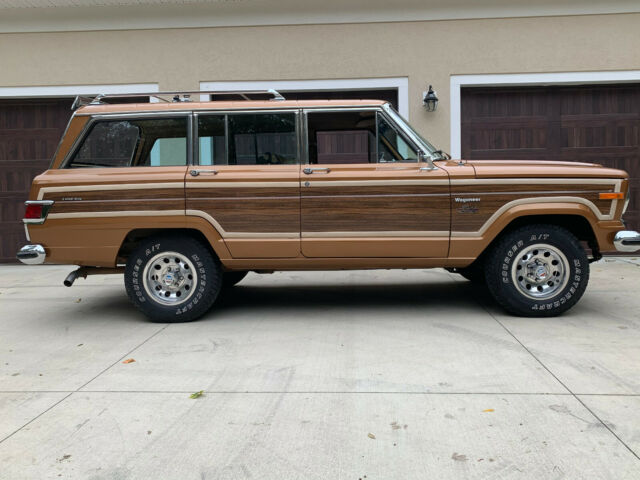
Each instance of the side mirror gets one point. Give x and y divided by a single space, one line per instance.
423 157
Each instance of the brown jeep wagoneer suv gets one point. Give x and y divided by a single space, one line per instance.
186 197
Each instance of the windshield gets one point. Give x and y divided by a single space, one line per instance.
429 149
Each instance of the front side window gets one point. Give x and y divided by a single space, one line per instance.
352 136
342 137
134 142
392 147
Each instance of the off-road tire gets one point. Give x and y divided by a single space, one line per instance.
508 258
230 279
207 278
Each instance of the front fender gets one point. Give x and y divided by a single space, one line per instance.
469 245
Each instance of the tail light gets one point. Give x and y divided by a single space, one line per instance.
36 211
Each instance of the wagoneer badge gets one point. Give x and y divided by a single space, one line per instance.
467 206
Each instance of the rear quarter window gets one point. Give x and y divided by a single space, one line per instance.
135 142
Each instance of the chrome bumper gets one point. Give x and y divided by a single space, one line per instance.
31 254
627 241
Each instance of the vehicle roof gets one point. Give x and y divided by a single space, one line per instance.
222 105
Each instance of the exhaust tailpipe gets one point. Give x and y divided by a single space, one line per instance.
84 271
73 276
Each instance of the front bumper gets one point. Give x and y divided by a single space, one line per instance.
31 254
627 241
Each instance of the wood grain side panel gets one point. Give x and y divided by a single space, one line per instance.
559 188
101 206
129 195
251 215
376 190
472 216
194 193
375 214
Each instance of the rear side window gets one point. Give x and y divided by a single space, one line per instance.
135 142
262 139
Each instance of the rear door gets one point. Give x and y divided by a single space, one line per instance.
364 192
245 181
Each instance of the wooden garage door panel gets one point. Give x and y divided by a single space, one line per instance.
594 123
30 130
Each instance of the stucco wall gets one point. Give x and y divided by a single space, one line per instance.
425 52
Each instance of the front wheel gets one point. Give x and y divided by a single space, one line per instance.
172 278
537 271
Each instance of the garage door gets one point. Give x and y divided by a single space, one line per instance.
29 135
594 123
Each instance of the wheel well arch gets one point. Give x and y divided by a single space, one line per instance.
135 236
577 224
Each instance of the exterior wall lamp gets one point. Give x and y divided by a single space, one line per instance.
430 100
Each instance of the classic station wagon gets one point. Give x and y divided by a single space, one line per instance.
186 197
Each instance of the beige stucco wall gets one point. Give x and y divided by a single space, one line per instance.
425 52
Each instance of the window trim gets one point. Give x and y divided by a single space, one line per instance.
78 142
226 112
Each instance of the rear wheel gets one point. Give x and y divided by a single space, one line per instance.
537 271
229 279
172 279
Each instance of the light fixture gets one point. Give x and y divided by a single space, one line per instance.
430 100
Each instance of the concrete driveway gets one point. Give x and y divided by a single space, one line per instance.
341 375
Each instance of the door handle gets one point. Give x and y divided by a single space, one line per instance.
195 173
309 171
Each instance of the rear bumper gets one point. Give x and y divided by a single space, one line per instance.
31 254
627 241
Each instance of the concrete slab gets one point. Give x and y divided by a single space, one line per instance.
320 436
594 347
337 332
300 368
57 338
17 409
620 413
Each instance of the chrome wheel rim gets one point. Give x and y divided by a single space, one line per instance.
540 271
170 278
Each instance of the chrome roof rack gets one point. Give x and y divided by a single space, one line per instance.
82 100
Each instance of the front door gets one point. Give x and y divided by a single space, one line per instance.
246 183
365 193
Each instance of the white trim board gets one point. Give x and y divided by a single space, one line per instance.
73 90
515 79
401 83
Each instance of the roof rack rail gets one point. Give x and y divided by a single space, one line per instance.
82 100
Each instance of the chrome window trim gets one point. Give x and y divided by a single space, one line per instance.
125 116
403 133
304 138
419 143
195 147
